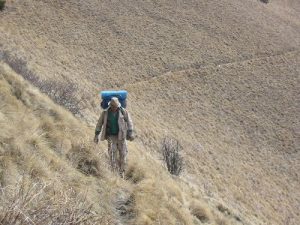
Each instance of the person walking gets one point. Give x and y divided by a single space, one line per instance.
115 126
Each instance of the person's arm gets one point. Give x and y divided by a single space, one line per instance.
130 127
99 127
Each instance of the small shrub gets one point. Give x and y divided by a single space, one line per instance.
2 4
265 1
63 93
171 155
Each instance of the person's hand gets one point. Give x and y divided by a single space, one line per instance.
96 139
131 138
130 135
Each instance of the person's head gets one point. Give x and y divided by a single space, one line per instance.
114 103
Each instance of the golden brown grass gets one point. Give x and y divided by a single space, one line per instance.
50 171
29 202
220 76
37 142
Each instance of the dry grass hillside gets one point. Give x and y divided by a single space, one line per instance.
50 173
220 76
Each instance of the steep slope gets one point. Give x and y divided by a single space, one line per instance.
51 173
240 130
109 43
221 76
44 150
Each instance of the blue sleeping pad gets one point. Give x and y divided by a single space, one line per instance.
107 95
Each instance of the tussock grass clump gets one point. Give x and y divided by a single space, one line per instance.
135 173
41 203
200 211
84 160
171 155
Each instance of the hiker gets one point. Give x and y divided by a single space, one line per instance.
115 126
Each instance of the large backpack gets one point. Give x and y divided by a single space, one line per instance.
107 95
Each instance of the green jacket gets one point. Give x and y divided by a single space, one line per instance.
124 122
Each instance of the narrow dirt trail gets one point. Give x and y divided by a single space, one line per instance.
214 64
124 207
